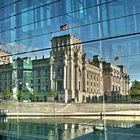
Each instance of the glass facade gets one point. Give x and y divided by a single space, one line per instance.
107 28
30 24
79 56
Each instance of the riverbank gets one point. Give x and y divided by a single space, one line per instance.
37 109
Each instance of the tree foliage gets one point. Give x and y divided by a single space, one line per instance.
20 95
135 89
6 94
51 93
33 95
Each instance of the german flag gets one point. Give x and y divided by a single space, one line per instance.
64 27
116 58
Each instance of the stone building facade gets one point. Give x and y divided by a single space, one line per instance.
71 75
5 57
116 82
40 80
67 72
115 78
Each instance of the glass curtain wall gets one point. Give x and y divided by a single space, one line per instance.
108 28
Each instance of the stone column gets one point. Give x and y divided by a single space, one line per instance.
51 75
76 77
101 86
76 82
65 83
71 78
101 83
85 80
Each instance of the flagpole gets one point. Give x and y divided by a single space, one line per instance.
68 27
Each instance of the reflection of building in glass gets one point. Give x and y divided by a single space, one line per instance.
38 129
69 73
5 77
40 81
5 57
29 24
115 78
72 76
77 79
15 75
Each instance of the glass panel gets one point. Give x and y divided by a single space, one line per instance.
70 50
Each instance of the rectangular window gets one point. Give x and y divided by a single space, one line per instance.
38 73
5 83
118 88
46 72
10 88
47 87
38 88
31 81
38 81
60 71
113 87
59 85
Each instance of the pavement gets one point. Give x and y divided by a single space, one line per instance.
74 114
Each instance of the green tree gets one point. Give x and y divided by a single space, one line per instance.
6 94
135 90
33 95
51 95
20 95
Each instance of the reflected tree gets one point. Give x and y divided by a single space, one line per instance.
135 90
20 95
51 95
33 95
6 94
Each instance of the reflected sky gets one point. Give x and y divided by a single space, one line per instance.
30 25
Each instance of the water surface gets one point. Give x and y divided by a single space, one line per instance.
67 129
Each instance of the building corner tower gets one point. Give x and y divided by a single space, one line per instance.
66 67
